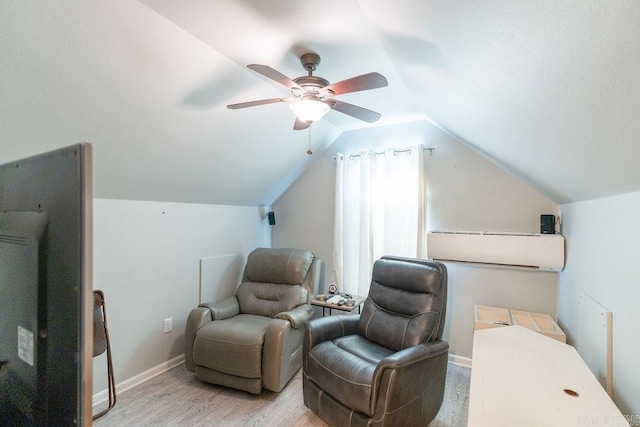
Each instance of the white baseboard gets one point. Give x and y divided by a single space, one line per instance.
103 396
460 360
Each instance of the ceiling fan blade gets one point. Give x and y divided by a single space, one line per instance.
355 84
275 75
300 125
256 103
354 111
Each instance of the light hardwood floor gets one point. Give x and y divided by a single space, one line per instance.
177 398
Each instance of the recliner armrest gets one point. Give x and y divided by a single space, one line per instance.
298 317
402 376
223 309
329 328
414 354
198 317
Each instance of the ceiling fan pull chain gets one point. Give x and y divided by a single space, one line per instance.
309 152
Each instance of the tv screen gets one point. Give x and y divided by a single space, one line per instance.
45 289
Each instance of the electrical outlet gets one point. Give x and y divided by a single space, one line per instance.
168 325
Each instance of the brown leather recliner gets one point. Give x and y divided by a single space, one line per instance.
386 367
253 340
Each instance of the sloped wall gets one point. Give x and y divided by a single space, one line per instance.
465 192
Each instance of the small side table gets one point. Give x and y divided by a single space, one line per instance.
346 308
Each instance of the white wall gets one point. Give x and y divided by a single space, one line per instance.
465 192
602 238
304 215
146 260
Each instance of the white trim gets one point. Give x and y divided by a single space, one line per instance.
103 396
460 360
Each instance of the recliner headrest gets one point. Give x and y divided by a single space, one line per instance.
288 266
406 304
408 274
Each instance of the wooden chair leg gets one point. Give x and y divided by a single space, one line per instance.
99 299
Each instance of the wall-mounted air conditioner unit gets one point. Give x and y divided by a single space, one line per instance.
533 251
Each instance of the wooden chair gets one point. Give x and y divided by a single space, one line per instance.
101 344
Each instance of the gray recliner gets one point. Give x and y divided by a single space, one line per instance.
253 340
386 367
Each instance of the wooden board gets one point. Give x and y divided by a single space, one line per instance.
491 317
519 378
594 339
219 277
539 322
494 317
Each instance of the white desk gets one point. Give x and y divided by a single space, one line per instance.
518 378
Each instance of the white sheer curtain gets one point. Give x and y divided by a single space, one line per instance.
380 210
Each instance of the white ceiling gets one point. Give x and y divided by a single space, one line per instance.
547 89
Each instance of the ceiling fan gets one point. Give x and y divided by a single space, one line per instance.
312 96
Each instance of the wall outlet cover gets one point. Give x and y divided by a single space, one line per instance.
25 345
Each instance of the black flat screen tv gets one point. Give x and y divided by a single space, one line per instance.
46 301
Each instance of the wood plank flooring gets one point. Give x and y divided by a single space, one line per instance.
178 398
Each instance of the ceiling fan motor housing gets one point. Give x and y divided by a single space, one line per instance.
310 84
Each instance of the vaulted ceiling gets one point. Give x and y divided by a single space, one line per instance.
547 89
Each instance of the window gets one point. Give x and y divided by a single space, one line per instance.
380 210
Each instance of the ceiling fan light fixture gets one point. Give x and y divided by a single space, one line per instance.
308 110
